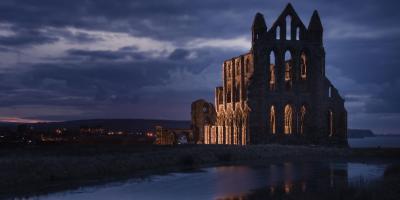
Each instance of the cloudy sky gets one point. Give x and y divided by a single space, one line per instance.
80 59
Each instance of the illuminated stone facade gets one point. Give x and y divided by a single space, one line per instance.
278 92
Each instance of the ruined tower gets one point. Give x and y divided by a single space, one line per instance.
203 113
278 92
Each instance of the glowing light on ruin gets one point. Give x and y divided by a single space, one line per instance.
288 188
288 119
302 118
272 79
287 71
272 75
286 68
303 66
272 120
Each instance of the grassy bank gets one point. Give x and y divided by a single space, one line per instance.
27 170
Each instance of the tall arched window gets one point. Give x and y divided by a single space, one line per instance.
297 33
272 78
220 97
330 123
330 92
288 70
237 93
247 66
272 120
278 33
303 113
237 68
288 27
288 126
228 94
228 71
303 66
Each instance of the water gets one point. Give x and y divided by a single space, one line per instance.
231 182
379 141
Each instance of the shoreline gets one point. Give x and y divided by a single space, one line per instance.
42 170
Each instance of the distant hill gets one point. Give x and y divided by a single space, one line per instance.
359 133
141 125
134 125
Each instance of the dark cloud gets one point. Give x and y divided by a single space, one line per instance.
124 53
179 54
105 81
26 38
93 55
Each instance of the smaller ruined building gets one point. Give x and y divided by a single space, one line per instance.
203 114
166 136
278 92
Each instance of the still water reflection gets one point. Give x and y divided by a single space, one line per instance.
235 182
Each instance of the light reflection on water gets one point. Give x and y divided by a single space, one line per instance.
234 182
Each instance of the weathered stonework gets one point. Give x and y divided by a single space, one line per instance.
167 136
278 92
203 113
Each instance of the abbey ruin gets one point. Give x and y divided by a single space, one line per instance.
277 92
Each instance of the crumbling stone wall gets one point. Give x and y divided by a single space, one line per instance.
203 113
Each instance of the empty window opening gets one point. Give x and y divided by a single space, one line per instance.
272 79
278 33
247 66
205 109
330 121
288 27
288 70
330 92
237 68
220 97
288 122
229 95
237 93
303 66
228 71
297 33
272 120
243 95
303 113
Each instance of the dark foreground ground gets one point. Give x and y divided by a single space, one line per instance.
26 171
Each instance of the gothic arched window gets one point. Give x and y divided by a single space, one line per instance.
220 97
247 66
237 93
278 33
228 70
303 66
237 68
272 120
288 27
330 123
272 78
288 122
229 94
288 70
330 92
303 113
